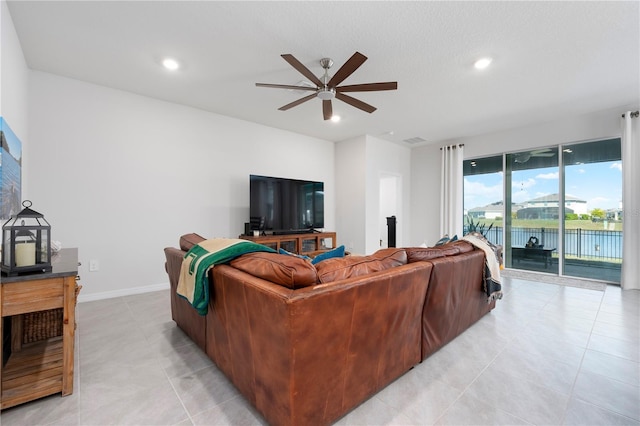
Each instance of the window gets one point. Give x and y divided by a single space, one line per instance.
554 210
483 199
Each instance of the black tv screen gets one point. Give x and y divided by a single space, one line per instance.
285 205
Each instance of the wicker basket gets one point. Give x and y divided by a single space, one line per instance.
41 325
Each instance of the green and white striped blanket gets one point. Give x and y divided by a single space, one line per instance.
193 283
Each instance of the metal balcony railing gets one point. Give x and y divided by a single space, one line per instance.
579 243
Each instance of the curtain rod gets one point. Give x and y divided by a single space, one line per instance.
460 145
633 114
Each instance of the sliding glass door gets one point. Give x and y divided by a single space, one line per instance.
534 209
554 210
593 210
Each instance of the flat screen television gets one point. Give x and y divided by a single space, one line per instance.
284 206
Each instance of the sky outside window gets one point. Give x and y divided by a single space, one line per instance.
599 184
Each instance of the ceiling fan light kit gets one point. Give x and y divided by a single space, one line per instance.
328 88
326 94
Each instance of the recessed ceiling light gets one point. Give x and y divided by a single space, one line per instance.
335 118
482 63
170 64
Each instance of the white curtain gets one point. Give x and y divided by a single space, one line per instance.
451 208
631 201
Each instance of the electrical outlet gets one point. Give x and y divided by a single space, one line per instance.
94 265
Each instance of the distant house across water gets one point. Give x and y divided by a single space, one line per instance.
545 207
574 204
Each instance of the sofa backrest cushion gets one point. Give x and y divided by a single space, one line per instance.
462 246
354 266
416 254
289 271
189 240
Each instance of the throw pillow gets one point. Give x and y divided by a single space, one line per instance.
336 252
301 256
446 239
443 240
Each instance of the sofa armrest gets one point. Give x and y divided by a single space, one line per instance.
185 316
455 299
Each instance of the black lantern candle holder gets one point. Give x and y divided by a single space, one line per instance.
26 243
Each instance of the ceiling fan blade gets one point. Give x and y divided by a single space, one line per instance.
327 109
541 151
355 102
543 154
286 86
347 69
298 102
302 69
368 87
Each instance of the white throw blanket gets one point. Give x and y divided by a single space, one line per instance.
492 280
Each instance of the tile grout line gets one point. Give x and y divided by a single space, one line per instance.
160 366
575 380
479 374
593 404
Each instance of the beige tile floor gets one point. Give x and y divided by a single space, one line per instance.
547 355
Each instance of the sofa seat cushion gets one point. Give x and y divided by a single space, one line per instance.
289 271
354 266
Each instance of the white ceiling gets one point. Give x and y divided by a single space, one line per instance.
550 59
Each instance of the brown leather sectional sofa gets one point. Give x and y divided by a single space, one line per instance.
306 344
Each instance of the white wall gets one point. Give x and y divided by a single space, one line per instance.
121 176
351 188
390 196
425 160
386 158
3 12
360 163
425 195
13 80
602 124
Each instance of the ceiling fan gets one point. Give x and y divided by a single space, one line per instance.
523 157
328 88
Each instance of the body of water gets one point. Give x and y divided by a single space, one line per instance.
578 242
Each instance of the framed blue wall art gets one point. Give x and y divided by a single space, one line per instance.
10 172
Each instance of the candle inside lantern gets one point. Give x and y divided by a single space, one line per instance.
25 254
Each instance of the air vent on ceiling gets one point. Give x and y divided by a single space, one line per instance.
416 140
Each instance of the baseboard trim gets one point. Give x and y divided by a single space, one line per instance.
555 279
123 292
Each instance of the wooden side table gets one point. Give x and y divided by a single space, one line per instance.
34 370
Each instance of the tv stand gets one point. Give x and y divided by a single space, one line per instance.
294 232
307 242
